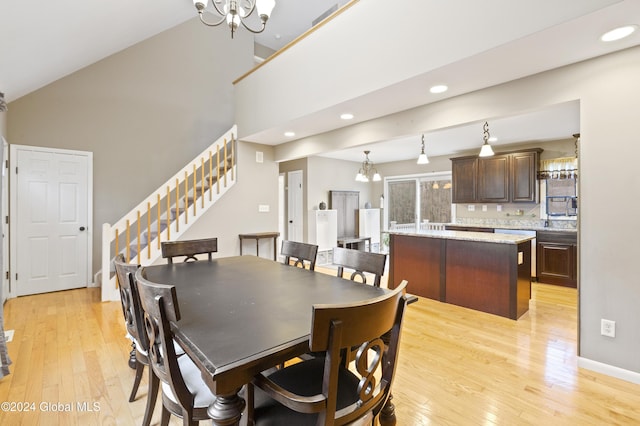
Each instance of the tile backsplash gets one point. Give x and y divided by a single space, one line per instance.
511 215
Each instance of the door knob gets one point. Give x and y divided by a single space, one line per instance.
82 228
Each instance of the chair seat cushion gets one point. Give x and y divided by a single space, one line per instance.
176 346
196 385
303 378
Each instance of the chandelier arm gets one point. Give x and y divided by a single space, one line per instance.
221 12
264 24
211 24
252 6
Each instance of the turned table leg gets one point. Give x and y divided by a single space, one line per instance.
226 410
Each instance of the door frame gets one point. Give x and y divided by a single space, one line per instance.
295 197
13 203
5 225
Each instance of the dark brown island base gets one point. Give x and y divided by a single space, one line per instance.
482 271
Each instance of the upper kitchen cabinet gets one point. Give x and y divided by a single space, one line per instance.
493 179
508 177
524 169
464 172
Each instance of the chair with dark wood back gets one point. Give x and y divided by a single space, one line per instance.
322 390
360 262
299 252
132 311
184 392
189 249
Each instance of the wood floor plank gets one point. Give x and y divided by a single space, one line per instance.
456 366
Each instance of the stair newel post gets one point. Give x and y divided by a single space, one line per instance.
210 176
158 221
128 240
177 205
195 195
218 168
168 213
225 162
138 239
186 197
148 230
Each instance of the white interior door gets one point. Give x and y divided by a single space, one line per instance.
50 218
294 211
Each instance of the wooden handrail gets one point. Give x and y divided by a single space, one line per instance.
297 40
199 173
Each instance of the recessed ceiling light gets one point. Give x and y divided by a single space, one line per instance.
289 134
440 88
346 116
619 33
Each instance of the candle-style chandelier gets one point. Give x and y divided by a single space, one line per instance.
235 12
367 171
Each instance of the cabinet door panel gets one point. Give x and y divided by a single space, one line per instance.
556 264
463 180
493 179
523 170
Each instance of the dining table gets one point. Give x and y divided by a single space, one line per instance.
243 315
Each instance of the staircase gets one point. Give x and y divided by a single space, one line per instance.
169 211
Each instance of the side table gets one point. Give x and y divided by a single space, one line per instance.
258 236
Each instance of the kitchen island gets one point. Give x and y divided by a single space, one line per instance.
483 271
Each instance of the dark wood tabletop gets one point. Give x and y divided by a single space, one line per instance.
242 315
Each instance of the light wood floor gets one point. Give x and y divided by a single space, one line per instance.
457 366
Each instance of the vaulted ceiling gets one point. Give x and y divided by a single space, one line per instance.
41 44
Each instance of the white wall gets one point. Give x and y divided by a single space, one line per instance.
364 50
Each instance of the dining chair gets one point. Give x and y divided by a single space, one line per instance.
300 253
184 392
360 262
189 249
322 390
134 324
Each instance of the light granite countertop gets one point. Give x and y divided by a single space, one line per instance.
525 227
485 237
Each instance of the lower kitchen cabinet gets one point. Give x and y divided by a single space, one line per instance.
557 258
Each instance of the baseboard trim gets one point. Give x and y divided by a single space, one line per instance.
609 370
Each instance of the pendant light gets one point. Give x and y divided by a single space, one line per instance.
486 150
367 171
423 159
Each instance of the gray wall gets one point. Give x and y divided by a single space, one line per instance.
143 112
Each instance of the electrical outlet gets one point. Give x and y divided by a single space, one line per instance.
608 328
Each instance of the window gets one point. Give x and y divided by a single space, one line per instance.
413 200
561 197
559 187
